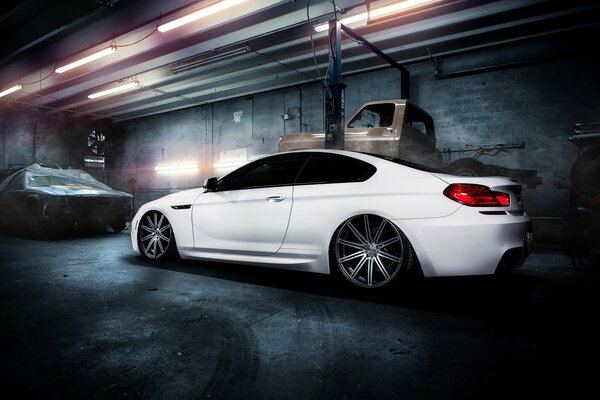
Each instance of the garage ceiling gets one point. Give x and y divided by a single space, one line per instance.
256 46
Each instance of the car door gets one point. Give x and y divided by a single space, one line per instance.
250 209
328 190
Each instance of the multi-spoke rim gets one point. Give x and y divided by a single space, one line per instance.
369 250
155 235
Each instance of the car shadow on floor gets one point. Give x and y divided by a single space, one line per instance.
493 296
67 234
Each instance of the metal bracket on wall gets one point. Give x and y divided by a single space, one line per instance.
586 134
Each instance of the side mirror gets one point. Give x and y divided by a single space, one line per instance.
210 184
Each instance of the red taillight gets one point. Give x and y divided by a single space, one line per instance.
503 198
476 195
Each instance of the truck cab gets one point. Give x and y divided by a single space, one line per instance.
394 128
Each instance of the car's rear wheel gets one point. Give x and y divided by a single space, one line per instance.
371 252
155 236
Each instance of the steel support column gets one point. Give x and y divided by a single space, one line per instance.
334 99
404 74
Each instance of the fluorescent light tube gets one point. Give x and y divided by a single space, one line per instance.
380 12
85 60
177 168
10 90
203 12
116 89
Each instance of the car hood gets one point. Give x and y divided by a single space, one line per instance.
185 197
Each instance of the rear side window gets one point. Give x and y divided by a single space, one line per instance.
334 168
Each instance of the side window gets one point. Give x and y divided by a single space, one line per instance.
374 116
277 170
334 168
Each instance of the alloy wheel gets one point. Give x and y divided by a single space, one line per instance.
156 235
370 251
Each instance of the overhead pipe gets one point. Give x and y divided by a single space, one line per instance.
479 70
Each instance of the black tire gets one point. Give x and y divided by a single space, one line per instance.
118 226
466 167
371 252
156 240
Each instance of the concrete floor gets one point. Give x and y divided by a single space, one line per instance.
87 318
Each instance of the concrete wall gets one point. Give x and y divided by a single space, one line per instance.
26 138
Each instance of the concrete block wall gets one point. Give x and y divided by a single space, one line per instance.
26 138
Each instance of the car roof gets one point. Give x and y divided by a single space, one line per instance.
368 157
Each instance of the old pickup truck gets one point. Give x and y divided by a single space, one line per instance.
394 128
401 129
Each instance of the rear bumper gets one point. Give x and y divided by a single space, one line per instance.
468 243
515 257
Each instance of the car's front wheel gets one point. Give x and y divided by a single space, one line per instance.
371 252
155 236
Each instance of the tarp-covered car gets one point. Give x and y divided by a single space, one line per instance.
41 200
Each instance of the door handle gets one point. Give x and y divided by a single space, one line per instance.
276 199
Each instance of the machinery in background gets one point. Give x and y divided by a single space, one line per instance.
581 234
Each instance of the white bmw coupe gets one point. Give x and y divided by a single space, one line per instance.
369 217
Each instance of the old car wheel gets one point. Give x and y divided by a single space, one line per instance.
466 167
371 252
118 226
155 236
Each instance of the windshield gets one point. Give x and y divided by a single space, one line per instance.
38 176
47 180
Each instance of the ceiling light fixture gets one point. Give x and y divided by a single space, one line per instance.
203 12
380 12
207 58
115 89
85 60
10 90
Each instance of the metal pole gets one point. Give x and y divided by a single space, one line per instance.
334 100
404 74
